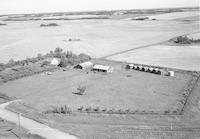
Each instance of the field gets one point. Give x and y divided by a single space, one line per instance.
98 38
194 36
123 104
119 90
138 91
180 57
175 15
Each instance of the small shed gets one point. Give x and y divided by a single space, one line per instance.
171 73
134 67
140 67
146 69
164 72
129 66
55 62
84 65
102 68
150 69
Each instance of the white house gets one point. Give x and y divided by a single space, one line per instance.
55 61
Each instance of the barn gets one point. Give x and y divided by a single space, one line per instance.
84 65
102 68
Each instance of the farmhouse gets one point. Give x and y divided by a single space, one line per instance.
102 68
84 65
55 61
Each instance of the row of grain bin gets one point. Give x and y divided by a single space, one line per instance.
150 69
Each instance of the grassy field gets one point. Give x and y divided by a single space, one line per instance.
138 91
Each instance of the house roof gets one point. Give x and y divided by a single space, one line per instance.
101 67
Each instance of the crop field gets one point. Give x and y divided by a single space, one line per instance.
194 36
175 15
180 57
138 91
98 38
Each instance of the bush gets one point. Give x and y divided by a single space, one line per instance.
89 109
183 40
60 110
63 62
96 109
80 90
81 108
49 25
45 63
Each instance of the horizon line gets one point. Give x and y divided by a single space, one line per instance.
111 10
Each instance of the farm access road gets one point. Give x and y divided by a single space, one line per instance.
33 126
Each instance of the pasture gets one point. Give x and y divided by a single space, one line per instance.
119 90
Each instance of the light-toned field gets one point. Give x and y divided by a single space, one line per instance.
98 37
175 15
194 36
139 91
180 57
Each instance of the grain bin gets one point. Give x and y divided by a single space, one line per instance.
171 73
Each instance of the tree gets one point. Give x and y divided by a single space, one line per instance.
63 62
183 40
58 52
39 56
83 57
11 63
81 89
2 66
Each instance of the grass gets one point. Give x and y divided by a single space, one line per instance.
138 92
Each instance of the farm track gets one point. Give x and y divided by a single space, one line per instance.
145 46
125 51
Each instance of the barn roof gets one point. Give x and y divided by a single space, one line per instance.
86 64
101 67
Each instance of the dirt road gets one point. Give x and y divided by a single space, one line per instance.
33 126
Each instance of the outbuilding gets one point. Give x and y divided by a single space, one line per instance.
171 73
129 66
84 65
102 68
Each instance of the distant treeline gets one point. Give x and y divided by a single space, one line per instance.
2 24
49 25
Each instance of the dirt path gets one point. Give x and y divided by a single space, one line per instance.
125 51
33 126
145 46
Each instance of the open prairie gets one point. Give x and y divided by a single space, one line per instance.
98 38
